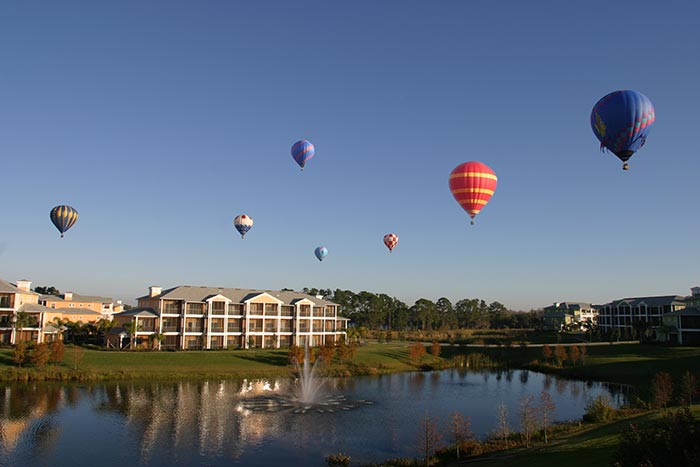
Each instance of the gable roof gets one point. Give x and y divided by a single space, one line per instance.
191 293
7 287
139 312
660 300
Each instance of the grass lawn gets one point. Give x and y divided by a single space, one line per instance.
96 364
590 446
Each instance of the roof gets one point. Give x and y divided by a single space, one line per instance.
191 293
76 311
684 312
649 301
7 287
568 306
139 312
33 308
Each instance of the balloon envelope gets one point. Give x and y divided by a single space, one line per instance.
243 223
391 240
63 217
321 252
621 121
472 184
302 151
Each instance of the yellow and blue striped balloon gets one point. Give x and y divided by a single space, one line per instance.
63 217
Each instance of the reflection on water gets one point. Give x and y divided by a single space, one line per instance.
250 422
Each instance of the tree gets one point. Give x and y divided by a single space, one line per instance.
416 351
689 388
503 426
40 355
296 355
22 320
429 438
156 339
19 354
560 355
661 390
47 290
547 353
435 349
528 421
327 353
460 429
547 408
77 355
574 354
56 351
342 351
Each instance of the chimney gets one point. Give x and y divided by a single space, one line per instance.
320 297
154 290
24 285
68 296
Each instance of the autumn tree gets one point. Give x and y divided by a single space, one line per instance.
528 420
460 429
547 408
327 352
342 351
20 353
574 354
296 355
40 355
560 355
56 351
429 438
547 353
435 349
503 426
416 351
689 388
661 390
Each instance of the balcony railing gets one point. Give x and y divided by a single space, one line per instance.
217 329
5 303
193 329
170 329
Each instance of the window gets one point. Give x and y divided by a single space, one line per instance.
192 309
218 308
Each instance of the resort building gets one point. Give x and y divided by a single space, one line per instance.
72 304
192 317
22 318
560 315
640 313
26 316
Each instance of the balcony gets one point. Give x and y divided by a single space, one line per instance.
217 329
193 329
170 329
6 302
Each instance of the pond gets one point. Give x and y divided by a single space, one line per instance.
217 423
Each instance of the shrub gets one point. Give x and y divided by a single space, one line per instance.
338 459
40 355
599 410
673 440
56 351
435 349
20 354
661 390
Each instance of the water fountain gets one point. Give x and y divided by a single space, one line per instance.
307 393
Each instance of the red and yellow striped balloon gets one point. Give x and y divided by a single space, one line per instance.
472 184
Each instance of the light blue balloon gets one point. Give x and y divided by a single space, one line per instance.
321 252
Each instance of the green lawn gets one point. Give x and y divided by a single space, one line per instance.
96 364
589 446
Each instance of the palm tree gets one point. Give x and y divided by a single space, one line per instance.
22 320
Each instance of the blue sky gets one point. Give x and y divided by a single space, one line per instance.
161 121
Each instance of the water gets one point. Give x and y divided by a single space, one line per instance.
253 422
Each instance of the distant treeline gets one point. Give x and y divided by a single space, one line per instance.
380 311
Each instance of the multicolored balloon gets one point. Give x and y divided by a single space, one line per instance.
321 252
243 223
472 184
63 217
302 151
391 240
621 122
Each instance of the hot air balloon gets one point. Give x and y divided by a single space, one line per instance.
472 184
63 217
243 223
321 252
391 240
302 151
621 122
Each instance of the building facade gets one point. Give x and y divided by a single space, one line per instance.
629 314
192 317
559 315
22 318
73 303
